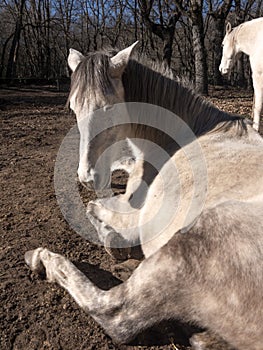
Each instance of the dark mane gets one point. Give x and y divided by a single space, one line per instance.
152 84
158 87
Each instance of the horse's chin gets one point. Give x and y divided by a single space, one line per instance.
100 192
88 184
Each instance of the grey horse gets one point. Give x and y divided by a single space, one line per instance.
204 265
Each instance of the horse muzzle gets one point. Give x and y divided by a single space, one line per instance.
223 70
95 182
86 178
225 66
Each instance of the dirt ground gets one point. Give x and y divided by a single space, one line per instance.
34 314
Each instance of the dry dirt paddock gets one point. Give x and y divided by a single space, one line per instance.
34 314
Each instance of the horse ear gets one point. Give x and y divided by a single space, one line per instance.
228 27
74 58
120 60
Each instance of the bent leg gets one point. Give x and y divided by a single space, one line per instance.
198 277
125 310
117 225
134 180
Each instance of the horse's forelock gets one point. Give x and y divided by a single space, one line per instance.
91 77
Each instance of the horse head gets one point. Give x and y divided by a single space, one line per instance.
229 50
96 89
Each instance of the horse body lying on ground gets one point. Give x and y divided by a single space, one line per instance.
246 38
199 221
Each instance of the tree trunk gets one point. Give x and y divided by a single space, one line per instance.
218 36
196 19
2 65
201 81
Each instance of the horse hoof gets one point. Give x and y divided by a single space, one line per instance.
32 259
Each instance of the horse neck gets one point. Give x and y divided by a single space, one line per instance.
244 39
142 84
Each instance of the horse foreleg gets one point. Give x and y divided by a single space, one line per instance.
257 100
122 311
135 178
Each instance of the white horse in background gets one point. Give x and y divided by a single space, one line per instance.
246 38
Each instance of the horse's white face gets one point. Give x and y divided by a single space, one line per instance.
229 51
94 118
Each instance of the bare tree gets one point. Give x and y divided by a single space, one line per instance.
196 17
194 11
35 35
38 37
163 29
65 10
14 49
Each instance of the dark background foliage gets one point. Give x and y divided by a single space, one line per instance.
36 35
